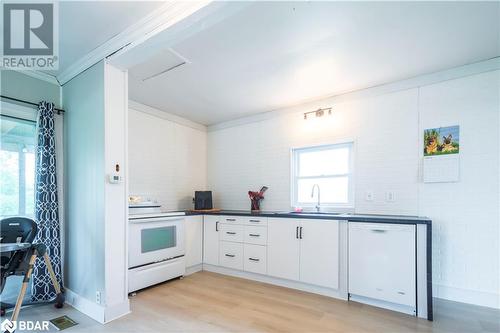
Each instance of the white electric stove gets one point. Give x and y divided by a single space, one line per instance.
156 246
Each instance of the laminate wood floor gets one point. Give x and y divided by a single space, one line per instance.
209 302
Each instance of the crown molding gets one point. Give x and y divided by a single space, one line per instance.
40 76
165 115
161 19
387 88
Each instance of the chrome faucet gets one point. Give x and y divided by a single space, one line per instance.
318 206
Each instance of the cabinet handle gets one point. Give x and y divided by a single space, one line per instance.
217 226
230 255
231 220
300 233
379 230
253 235
253 259
230 233
255 221
297 232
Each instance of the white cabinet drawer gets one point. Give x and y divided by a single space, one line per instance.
148 275
233 219
231 233
255 220
231 255
255 235
255 258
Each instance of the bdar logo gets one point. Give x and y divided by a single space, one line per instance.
28 29
8 326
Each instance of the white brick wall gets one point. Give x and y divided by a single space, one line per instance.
387 131
466 214
249 156
167 160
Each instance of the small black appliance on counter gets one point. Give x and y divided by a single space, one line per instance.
202 200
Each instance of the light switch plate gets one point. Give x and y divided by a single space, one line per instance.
390 196
369 195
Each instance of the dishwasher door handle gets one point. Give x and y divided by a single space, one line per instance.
380 231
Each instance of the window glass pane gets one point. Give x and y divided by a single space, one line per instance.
9 183
333 190
29 177
324 162
17 161
17 134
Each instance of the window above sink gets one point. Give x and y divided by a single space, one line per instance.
330 167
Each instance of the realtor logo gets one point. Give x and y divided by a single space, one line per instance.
28 29
29 36
23 325
8 326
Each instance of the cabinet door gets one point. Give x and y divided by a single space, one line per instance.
382 262
211 239
194 240
283 248
319 252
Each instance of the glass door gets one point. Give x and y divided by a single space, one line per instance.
161 238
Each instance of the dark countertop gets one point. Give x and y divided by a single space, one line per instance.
401 219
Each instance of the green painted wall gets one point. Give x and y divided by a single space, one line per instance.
18 85
84 182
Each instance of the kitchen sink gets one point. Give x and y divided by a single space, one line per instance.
314 213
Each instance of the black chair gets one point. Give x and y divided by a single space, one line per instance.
18 257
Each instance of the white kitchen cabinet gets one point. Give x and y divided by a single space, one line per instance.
305 250
231 232
255 221
255 235
382 262
319 252
232 219
211 239
194 240
283 248
231 255
254 258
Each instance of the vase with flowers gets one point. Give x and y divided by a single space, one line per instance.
256 197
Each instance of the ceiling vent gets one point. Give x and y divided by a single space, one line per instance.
158 65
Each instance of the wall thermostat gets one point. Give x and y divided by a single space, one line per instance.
114 178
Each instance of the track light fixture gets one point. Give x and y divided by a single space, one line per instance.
318 113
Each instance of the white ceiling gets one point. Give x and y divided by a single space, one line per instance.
85 25
269 55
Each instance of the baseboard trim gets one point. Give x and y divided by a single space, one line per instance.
339 294
116 311
193 269
85 306
475 297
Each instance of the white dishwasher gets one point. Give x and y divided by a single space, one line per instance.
382 265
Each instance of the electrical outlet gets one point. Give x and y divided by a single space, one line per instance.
390 196
369 196
98 297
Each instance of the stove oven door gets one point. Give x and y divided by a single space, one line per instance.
155 239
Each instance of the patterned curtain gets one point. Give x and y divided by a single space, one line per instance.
46 205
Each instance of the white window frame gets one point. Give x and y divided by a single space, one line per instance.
295 153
